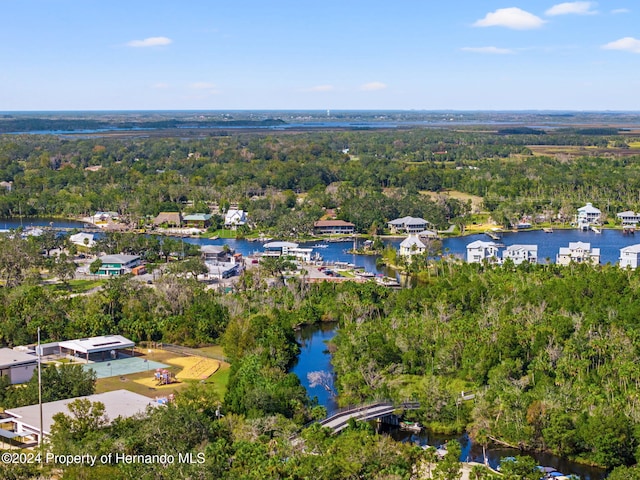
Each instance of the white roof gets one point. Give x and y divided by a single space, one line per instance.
120 258
579 245
427 233
104 343
589 208
118 403
631 248
628 213
280 245
408 221
79 237
482 244
412 240
528 248
212 249
10 357
234 215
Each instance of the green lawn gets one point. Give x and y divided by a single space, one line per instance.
220 379
75 286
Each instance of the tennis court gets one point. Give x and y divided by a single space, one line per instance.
123 366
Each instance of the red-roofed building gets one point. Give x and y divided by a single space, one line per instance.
333 227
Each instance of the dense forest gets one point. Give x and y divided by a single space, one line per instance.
550 353
371 176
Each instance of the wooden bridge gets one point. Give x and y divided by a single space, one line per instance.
378 410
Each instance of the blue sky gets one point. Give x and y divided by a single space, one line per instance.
329 54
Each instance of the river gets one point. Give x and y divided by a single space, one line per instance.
314 356
609 241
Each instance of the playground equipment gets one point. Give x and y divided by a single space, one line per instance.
164 377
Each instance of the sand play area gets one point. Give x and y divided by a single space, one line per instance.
193 368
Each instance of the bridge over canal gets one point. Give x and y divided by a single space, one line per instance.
378 410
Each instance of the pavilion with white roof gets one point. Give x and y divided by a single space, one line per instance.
94 345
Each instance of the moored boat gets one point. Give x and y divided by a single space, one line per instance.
411 426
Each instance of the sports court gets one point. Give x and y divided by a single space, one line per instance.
123 366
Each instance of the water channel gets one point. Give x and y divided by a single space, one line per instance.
314 356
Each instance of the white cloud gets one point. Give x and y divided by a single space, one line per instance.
150 42
320 88
620 10
513 17
575 8
160 85
488 50
373 86
627 44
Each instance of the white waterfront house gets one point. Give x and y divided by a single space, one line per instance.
630 257
407 225
521 253
479 251
588 216
578 252
287 249
235 218
219 261
629 218
412 245
83 239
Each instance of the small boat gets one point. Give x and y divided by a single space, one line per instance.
320 245
547 230
387 281
596 229
365 274
411 426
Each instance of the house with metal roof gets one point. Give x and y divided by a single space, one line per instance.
578 252
479 251
333 227
235 218
287 249
629 217
117 264
197 220
630 257
407 225
521 253
588 216
412 245
83 239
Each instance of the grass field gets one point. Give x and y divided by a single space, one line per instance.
75 286
476 201
564 151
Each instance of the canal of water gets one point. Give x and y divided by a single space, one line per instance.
314 356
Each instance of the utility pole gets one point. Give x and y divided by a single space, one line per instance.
40 387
